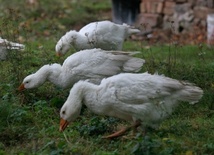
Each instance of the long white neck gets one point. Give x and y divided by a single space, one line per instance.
56 75
72 107
41 75
83 42
85 91
62 76
77 40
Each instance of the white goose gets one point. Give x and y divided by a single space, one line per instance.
91 64
104 34
142 99
6 45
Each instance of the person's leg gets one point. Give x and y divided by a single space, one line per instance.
125 11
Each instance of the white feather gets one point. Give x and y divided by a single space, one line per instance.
6 45
104 34
92 64
143 97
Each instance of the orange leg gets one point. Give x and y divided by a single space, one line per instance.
122 131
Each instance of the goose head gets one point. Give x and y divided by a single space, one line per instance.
72 107
36 79
69 112
65 43
31 81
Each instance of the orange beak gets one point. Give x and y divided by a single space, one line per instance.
58 54
21 87
63 124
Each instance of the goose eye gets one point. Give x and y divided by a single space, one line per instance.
63 112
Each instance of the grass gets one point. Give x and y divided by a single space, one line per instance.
30 119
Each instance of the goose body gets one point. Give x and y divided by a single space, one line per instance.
6 45
143 98
91 64
104 34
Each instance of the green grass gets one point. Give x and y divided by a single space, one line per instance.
30 119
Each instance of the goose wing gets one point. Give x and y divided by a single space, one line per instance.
97 63
143 88
95 26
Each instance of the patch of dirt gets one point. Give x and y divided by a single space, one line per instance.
197 36
10 138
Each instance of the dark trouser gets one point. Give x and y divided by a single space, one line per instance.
125 11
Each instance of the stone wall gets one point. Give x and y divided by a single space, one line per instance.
179 15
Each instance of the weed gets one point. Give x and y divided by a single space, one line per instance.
145 145
96 126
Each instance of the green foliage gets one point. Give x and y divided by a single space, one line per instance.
13 120
145 145
96 126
